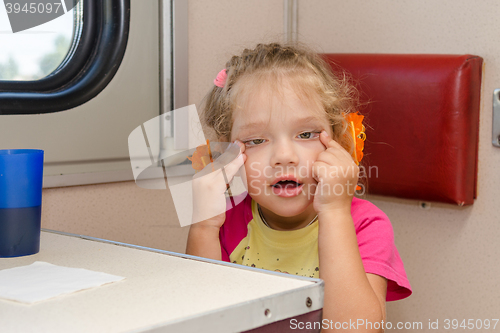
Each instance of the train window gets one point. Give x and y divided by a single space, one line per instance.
120 75
34 53
88 64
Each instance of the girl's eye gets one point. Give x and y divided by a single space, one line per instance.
254 142
309 135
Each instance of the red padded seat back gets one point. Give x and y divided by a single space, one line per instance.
422 123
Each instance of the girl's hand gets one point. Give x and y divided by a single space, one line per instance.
209 186
337 177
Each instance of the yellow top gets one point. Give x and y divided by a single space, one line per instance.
294 252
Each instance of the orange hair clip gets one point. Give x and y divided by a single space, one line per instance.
201 157
357 132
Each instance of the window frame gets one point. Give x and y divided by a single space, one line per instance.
93 64
172 93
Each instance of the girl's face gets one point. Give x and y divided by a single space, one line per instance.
281 136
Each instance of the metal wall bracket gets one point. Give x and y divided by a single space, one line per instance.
495 140
290 20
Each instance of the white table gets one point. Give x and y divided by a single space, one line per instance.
163 292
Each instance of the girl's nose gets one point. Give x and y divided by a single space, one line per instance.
284 153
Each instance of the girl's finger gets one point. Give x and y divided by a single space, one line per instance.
241 145
325 138
330 158
232 151
319 170
232 168
330 143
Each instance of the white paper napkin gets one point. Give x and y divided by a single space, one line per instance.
40 281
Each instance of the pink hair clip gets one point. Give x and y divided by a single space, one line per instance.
220 80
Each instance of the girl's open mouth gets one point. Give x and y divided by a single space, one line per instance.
287 188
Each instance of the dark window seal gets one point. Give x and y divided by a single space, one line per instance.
94 63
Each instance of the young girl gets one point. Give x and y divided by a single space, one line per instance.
286 111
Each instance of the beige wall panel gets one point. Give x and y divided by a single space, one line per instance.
450 253
121 212
219 29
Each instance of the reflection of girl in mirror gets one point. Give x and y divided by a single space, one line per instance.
287 112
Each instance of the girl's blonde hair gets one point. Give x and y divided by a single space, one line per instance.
310 76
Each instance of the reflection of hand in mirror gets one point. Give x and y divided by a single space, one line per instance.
210 185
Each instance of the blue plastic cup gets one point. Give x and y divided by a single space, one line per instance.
21 178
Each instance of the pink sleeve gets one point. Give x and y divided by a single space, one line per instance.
235 227
377 248
224 254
